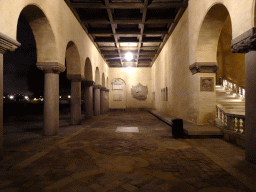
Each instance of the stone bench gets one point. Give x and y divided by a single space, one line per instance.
190 129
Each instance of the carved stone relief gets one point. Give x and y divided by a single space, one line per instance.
139 91
245 42
117 85
206 84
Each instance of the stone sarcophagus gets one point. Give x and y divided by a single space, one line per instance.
139 92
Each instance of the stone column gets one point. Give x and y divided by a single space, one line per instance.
246 43
6 44
51 96
96 99
102 100
75 108
88 100
205 79
107 99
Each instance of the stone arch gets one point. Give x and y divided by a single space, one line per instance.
97 76
72 59
209 33
231 66
103 80
43 33
88 70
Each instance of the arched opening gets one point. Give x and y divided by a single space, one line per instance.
88 70
21 76
210 32
103 80
72 62
65 93
218 62
73 66
214 46
97 76
72 59
230 66
88 89
42 30
215 60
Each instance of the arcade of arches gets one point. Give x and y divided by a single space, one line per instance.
213 40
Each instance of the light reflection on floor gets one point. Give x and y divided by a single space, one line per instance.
127 129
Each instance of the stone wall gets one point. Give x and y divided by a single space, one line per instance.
131 77
171 68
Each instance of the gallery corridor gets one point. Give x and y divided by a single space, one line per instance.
124 151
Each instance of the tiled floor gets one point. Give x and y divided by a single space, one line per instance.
94 157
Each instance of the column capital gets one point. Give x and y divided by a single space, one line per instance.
245 42
51 67
88 83
75 77
96 86
107 90
7 44
103 88
203 67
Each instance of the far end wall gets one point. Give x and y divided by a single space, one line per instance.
120 99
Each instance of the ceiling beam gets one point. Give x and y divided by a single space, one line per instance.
154 32
158 5
100 31
126 5
127 21
151 39
96 21
167 5
113 26
159 21
105 39
147 54
127 32
88 5
110 53
149 47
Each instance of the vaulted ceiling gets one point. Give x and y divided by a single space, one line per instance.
140 27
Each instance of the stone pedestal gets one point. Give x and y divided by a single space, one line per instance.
245 43
205 77
6 44
102 100
75 108
88 100
51 96
96 99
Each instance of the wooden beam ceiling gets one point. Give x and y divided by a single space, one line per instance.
141 26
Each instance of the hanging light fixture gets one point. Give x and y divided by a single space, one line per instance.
128 56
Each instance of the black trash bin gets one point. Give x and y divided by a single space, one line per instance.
177 128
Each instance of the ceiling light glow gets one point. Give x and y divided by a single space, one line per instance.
128 56
128 44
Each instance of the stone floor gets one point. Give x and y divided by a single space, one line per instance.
94 156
